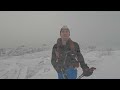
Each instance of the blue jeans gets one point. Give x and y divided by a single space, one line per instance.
70 72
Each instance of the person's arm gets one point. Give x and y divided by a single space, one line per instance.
80 58
54 58
84 66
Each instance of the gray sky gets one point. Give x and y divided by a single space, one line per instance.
33 28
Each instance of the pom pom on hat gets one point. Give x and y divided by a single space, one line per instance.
65 27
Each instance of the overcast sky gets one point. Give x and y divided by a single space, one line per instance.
100 28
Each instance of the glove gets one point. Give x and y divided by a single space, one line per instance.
87 71
58 69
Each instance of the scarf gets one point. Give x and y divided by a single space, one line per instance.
59 44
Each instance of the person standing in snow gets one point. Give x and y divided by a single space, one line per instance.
66 57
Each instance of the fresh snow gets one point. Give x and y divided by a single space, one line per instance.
38 65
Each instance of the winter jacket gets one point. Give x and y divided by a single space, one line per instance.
67 58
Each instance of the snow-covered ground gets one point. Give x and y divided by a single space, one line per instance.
38 65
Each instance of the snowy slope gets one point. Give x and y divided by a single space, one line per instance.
38 66
107 65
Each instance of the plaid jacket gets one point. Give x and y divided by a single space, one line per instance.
68 58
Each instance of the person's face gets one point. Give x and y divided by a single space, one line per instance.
65 34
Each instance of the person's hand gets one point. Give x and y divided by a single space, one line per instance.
58 69
88 71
